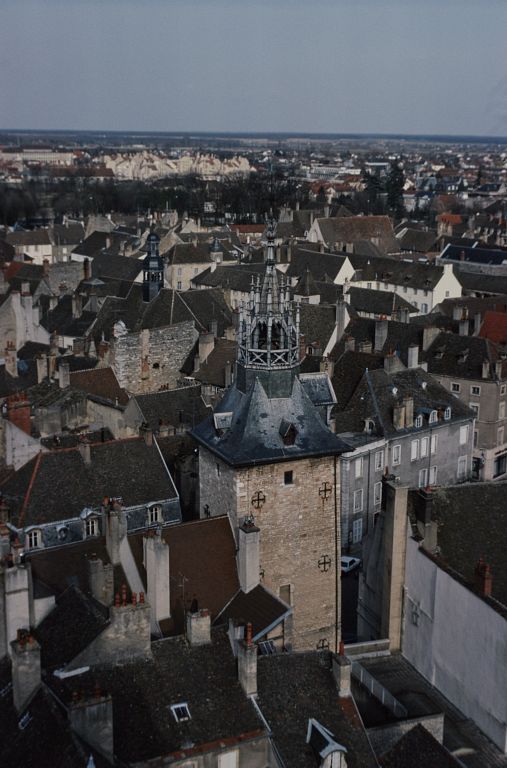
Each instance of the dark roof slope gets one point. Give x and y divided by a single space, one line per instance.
294 687
71 626
58 485
174 407
418 749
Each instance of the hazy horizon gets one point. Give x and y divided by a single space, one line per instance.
391 67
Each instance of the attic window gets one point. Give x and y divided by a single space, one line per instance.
181 712
222 421
91 526
447 413
463 356
418 421
34 538
433 417
154 514
288 432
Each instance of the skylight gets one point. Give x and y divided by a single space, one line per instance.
181 712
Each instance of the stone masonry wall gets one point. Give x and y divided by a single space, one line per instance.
297 530
152 358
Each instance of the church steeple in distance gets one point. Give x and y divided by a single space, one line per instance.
268 333
153 269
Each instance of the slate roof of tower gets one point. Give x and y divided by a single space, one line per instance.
254 434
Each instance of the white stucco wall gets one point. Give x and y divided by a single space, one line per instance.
459 643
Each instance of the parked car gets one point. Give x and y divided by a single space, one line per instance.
350 564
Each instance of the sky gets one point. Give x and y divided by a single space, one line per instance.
321 66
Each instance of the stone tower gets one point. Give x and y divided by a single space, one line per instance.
268 453
153 269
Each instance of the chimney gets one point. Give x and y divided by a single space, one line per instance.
64 376
483 578
156 564
392 363
199 627
86 452
77 305
247 663
206 345
394 511
342 668
11 359
463 327
45 267
26 672
408 403
214 328
498 369
381 328
147 434
485 369
101 580
116 528
92 720
248 555
86 269
19 412
228 371
399 416
42 368
413 356
427 528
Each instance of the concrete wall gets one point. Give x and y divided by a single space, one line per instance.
458 642
17 448
151 359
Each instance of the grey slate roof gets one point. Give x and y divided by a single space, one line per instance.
294 687
387 270
175 407
204 677
254 434
378 302
58 485
462 356
348 229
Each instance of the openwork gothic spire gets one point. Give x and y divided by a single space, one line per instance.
268 336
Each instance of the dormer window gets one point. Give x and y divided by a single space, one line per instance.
433 417
447 413
34 538
181 712
418 421
288 432
155 514
91 526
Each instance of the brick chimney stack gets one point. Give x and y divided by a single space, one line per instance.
19 412
483 578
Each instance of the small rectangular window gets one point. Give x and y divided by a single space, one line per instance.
396 454
499 436
288 478
285 594
463 434
425 443
455 387
379 461
502 389
377 493
358 467
434 443
357 531
34 539
91 526
423 478
433 475
475 408
358 500
475 390
462 467
414 450
501 410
